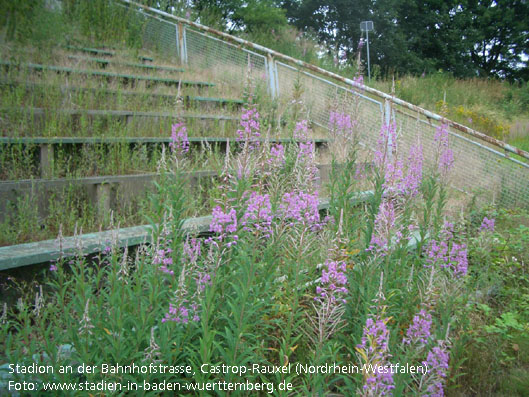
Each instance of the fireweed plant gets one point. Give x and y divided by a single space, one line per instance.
273 280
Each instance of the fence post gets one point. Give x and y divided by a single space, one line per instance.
387 121
46 160
276 78
103 193
273 85
177 41
182 48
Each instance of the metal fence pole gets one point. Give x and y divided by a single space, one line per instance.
182 43
368 63
276 78
177 42
272 77
387 121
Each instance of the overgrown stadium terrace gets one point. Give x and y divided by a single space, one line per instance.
199 202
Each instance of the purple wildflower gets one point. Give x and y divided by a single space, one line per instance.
250 132
407 183
223 222
385 233
360 172
487 225
385 145
360 44
341 124
277 156
379 382
438 360
445 154
185 304
258 214
162 255
419 330
374 348
162 259
192 250
178 314
386 160
225 225
342 133
359 80
437 366
53 268
375 337
165 269
202 280
446 253
389 165
306 146
332 282
179 140
393 176
301 207
411 182
305 162
459 259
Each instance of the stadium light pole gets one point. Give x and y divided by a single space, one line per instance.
367 26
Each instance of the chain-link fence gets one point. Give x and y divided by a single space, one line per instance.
161 36
216 59
480 167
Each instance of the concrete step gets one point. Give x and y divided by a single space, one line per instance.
18 122
46 95
106 62
127 79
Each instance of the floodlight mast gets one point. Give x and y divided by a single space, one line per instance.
366 26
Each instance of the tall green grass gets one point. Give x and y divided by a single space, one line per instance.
490 106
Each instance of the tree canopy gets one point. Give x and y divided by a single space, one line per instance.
467 38
248 16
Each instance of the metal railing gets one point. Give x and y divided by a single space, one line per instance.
492 169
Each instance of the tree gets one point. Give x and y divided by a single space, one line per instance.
497 35
466 38
244 16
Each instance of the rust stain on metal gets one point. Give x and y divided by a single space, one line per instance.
345 80
180 34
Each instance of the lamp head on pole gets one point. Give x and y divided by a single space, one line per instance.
366 26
